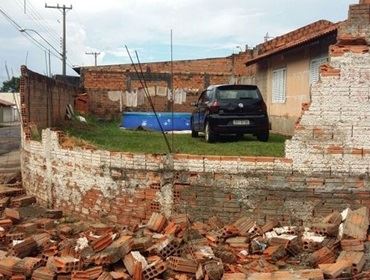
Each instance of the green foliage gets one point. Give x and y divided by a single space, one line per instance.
11 86
108 135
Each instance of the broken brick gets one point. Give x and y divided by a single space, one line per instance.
156 222
182 264
334 270
356 259
322 256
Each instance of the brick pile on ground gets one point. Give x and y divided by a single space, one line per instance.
42 244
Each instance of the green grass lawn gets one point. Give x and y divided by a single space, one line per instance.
108 135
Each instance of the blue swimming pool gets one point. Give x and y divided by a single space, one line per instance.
134 120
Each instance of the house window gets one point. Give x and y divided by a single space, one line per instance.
279 85
315 68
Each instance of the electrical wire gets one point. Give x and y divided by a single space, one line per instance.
37 19
35 16
33 40
27 35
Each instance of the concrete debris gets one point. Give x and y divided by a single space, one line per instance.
44 245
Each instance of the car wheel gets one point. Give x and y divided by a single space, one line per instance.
208 134
193 132
239 136
263 136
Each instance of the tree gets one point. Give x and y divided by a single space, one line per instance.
11 86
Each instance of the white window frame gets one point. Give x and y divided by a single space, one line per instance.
315 64
279 77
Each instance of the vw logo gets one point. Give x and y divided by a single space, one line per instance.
240 105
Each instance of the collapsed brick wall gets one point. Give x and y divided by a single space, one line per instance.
326 166
44 99
127 188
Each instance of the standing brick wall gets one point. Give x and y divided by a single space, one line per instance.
333 135
358 21
100 83
43 99
188 74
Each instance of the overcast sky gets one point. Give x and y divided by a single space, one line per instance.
201 28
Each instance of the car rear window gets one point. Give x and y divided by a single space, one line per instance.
224 94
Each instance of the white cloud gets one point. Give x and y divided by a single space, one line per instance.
212 27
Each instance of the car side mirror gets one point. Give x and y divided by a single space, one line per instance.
195 104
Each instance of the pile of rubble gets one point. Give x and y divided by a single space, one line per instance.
42 244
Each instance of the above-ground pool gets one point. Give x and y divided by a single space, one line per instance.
135 120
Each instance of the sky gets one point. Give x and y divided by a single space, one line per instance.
201 29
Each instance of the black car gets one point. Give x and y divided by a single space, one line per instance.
230 109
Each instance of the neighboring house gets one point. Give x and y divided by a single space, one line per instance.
8 112
286 67
9 104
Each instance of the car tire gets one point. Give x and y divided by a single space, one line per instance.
193 132
209 136
263 136
239 136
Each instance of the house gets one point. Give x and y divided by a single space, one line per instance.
8 112
285 68
9 104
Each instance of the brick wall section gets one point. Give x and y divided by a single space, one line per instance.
333 135
43 99
358 22
209 65
127 188
101 82
188 74
109 80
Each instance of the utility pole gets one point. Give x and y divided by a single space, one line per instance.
95 54
64 9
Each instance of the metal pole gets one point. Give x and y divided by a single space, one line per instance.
46 64
49 64
145 87
64 9
172 91
95 54
64 41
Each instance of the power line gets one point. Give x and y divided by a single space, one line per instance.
28 36
19 28
64 9
37 19
42 37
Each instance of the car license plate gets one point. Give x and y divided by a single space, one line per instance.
240 122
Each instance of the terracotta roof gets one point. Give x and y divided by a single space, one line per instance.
294 39
6 103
